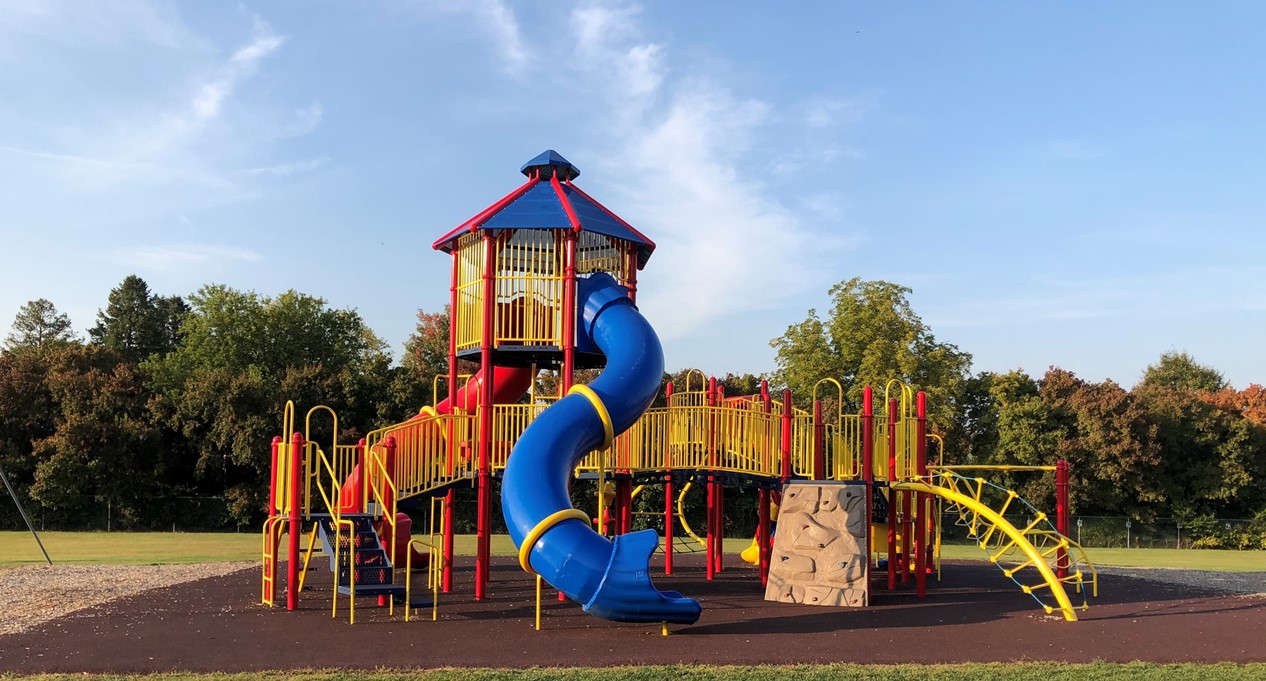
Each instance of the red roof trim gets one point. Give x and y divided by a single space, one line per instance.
483 215
617 218
562 198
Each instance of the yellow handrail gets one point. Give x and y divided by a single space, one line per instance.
432 579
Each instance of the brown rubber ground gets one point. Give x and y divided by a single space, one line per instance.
975 614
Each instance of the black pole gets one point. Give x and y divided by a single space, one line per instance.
25 519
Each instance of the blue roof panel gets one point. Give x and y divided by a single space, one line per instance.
538 208
595 219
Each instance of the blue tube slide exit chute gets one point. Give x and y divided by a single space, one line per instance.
610 579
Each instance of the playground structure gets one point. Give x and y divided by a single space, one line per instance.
546 278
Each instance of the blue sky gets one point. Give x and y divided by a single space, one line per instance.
1060 184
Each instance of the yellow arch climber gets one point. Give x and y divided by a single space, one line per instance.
1035 557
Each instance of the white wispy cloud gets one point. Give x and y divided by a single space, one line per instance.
682 149
1173 295
826 112
284 169
496 19
175 257
101 22
157 143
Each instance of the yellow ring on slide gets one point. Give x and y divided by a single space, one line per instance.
608 430
529 542
428 410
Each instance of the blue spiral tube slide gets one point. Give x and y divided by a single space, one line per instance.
610 579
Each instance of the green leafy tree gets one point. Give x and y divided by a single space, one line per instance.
104 450
1180 371
1214 461
872 335
26 415
977 439
38 324
242 356
137 323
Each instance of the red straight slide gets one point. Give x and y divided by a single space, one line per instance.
508 385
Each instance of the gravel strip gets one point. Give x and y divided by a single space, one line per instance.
33 594
1235 583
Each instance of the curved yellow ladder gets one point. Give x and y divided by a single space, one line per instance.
1017 537
681 515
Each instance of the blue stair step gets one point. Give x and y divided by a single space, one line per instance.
393 590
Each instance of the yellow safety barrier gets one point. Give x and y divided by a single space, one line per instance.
273 527
432 578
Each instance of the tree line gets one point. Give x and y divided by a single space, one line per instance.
1181 443
171 396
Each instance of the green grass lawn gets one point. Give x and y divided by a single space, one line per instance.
1191 559
1036 671
18 548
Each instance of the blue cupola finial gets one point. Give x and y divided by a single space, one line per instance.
550 163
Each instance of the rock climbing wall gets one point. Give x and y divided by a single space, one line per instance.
820 551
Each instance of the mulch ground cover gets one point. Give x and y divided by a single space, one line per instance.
974 614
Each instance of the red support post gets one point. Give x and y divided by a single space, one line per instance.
625 497
762 535
388 533
868 468
386 494
819 442
711 538
484 479
668 489
1061 515
448 542
786 436
720 540
892 494
446 566
568 377
292 568
362 489
569 311
921 498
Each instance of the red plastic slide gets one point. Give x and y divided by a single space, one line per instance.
508 384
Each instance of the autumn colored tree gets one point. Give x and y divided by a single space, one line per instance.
1116 463
412 384
1249 402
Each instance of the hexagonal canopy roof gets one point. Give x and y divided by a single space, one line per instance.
549 200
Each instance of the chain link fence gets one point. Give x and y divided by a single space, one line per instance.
1122 532
163 513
